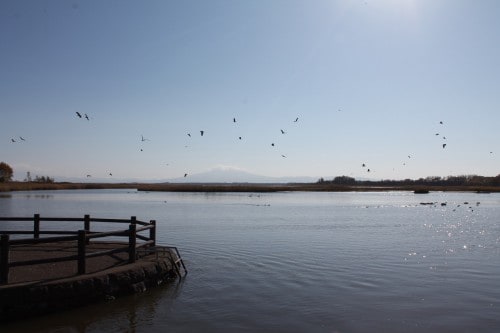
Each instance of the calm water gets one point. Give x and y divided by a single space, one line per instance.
298 262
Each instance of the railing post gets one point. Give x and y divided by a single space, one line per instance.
152 232
81 251
131 242
86 226
4 259
36 226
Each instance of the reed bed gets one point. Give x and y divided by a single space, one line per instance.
239 187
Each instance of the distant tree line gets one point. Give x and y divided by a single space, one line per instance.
38 179
463 180
6 174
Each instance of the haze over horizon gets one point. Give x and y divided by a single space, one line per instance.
276 88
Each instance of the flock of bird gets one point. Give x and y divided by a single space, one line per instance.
80 115
363 165
202 132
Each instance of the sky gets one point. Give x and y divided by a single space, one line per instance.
349 82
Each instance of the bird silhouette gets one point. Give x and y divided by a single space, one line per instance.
283 156
12 140
22 138
202 132
87 117
143 138
296 120
437 134
110 174
368 170
441 122
444 145
239 137
363 165
234 120
78 114
282 132
189 134
272 144
88 176
185 175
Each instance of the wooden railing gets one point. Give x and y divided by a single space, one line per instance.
81 236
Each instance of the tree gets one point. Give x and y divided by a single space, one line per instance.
344 180
6 172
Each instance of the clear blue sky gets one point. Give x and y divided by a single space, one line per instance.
370 82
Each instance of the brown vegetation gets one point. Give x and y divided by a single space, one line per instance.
33 186
246 187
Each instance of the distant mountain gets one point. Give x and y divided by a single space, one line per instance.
232 175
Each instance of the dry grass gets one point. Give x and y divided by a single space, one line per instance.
248 187
31 186
237 187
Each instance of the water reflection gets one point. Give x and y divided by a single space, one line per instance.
125 314
39 196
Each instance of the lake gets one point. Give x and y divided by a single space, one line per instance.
297 261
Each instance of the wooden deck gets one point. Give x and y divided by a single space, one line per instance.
63 269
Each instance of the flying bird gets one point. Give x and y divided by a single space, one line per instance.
143 138
87 117
12 140
363 165
22 138
185 175
89 176
78 114
201 132
189 134
272 144
234 120
296 120
444 145
239 137
282 132
368 170
110 174
441 122
437 134
283 156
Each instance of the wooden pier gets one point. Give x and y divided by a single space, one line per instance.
38 261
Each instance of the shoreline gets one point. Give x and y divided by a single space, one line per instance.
244 187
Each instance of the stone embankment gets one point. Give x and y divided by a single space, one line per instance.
39 289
